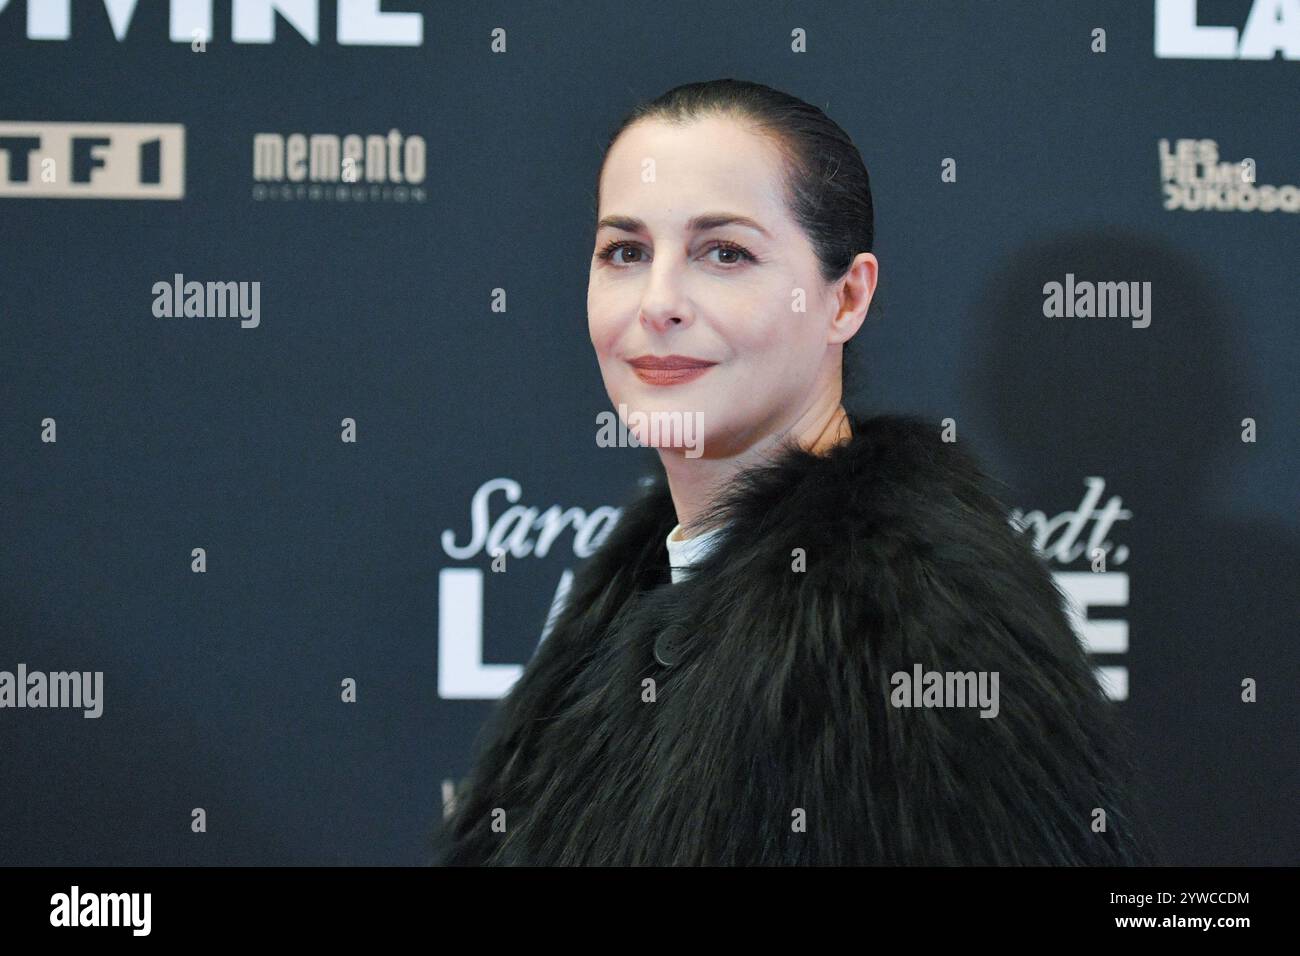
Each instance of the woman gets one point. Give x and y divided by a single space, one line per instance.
744 673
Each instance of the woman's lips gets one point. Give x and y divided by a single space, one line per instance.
669 369
669 376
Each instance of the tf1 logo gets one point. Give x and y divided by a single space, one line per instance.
92 160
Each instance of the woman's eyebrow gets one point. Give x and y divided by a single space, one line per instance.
700 223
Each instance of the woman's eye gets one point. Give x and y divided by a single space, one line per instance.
731 254
614 252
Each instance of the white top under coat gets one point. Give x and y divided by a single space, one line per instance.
683 554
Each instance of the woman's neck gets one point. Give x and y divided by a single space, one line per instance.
694 482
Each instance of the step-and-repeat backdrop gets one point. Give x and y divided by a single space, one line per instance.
293 341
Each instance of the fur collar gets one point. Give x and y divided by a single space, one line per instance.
744 715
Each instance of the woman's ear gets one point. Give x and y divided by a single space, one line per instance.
857 286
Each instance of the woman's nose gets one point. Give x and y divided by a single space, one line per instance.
664 303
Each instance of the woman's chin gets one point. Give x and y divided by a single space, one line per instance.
680 399
664 423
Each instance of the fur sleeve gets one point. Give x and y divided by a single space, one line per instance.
941 581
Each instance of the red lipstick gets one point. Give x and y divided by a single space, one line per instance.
669 369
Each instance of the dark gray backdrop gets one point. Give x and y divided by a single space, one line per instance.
222 689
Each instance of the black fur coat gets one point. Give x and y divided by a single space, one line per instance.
747 715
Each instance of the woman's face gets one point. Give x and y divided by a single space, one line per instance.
671 276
